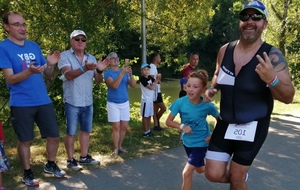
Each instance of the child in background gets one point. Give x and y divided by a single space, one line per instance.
193 111
148 84
4 165
183 87
182 91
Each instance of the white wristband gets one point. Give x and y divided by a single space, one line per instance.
181 126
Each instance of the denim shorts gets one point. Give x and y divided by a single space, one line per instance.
81 115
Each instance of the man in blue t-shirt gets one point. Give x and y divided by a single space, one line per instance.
23 64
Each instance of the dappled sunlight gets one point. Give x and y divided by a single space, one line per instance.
75 184
281 156
283 133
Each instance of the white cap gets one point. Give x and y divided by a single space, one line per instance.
77 33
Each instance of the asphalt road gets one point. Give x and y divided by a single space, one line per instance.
277 167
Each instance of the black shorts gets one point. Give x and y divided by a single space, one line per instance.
242 152
23 119
159 98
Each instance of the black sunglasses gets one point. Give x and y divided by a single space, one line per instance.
82 39
254 17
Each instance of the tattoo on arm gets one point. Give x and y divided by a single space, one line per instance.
277 60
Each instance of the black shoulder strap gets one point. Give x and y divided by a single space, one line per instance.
228 56
265 48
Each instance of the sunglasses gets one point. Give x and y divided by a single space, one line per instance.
82 39
254 17
114 58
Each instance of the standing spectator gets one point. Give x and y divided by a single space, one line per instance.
190 67
118 110
148 84
182 92
4 165
159 106
250 74
79 70
193 111
23 63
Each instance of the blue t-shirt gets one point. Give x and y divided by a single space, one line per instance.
119 95
194 116
31 91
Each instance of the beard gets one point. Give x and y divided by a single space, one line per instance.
250 36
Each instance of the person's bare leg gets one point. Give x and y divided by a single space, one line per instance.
69 146
52 147
161 109
187 177
84 140
237 173
155 119
123 130
116 134
216 171
24 154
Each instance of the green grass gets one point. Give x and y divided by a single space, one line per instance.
101 145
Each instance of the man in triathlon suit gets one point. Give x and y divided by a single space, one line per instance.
250 74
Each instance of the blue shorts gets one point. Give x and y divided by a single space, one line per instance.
23 118
81 115
196 155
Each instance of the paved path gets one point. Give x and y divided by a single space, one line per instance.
276 167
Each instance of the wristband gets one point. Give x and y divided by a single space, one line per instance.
81 68
181 126
274 82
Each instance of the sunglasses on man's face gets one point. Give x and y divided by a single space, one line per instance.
254 17
82 39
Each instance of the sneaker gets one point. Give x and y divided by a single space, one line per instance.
29 180
157 128
88 160
73 164
148 135
54 169
122 150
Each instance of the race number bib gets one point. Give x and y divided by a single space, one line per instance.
241 132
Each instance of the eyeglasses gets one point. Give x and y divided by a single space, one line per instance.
254 17
114 58
19 25
82 39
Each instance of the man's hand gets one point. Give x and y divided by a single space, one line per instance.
265 69
209 94
53 58
101 65
36 69
89 66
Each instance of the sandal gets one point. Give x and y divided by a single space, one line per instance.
115 153
123 150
